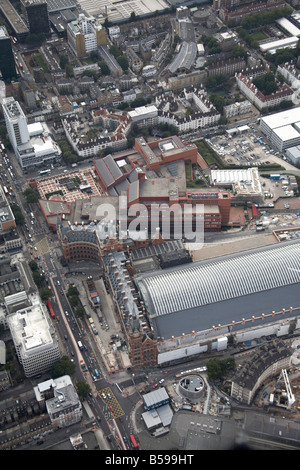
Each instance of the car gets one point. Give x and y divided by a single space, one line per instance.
155 385
66 313
124 438
161 381
109 395
111 408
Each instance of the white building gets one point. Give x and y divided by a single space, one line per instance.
290 74
114 32
144 115
16 122
285 137
282 128
34 339
256 97
288 26
149 71
32 143
293 153
238 108
242 181
275 45
61 400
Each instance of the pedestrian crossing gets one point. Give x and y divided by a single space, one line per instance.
43 246
111 402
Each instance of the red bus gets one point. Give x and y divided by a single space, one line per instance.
133 442
254 211
50 309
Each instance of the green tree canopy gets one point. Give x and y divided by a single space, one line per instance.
104 67
63 367
63 61
18 214
266 83
218 368
32 195
33 265
123 62
83 389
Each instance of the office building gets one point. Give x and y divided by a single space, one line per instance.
31 143
85 35
34 339
36 14
7 62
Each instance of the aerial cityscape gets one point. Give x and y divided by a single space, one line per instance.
150 227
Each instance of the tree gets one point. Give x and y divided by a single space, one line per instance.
32 195
83 389
18 214
63 367
132 16
218 102
63 61
114 51
80 312
46 294
94 56
266 83
218 369
74 299
123 62
69 70
72 290
104 67
38 278
33 265
239 51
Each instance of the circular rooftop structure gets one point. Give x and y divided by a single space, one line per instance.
192 386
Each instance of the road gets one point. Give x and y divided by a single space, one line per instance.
114 419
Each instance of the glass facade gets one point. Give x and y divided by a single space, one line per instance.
7 62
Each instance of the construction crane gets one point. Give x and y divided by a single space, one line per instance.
290 396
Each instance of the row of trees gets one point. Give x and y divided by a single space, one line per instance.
68 155
40 281
264 18
283 55
120 58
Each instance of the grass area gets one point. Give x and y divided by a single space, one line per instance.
258 36
39 61
188 171
208 153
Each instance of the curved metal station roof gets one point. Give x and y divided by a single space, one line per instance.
220 279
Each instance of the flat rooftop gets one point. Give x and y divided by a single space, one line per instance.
120 11
284 118
286 132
